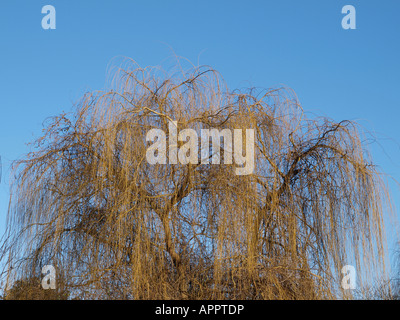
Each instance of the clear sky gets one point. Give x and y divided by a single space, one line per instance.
343 74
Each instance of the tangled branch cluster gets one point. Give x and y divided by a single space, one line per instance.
87 201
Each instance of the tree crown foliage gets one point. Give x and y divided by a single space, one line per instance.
86 198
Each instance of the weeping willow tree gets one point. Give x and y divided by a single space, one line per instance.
87 200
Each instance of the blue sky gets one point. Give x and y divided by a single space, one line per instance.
343 74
